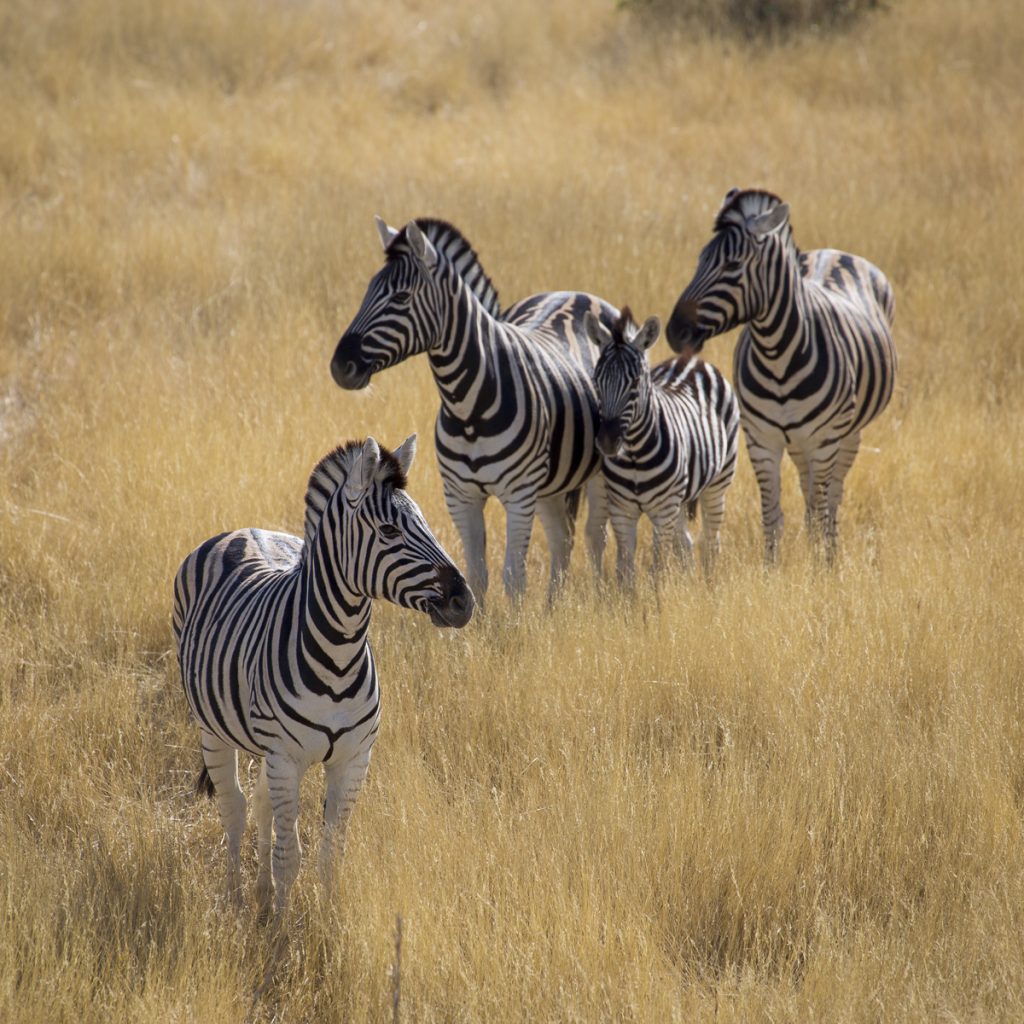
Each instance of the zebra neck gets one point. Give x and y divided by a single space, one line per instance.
463 359
780 331
333 621
645 422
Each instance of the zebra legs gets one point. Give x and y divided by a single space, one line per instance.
283 777
221 762
766 462
467 512
624 528
554 516
712 515
518 526
597 522
344 779
264 813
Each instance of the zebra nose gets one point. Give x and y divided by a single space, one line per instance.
456 604
683 330
609 436
348 373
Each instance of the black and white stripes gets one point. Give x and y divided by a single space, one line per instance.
271 633
518 413
668 439
816 361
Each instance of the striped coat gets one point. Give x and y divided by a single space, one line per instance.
815 362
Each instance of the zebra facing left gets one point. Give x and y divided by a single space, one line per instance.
815 362
518 411
271 633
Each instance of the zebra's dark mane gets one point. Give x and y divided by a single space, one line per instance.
332 471
624 323
454 248
744 202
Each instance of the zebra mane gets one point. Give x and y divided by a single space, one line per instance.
453 247
623 324
332 471
739 204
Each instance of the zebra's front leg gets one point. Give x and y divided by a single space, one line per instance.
848 448
344 780
467 512
597 523
624 526
766 462
221 762
668 540
518 526
712 515
823 466
264 813
557 521
283 778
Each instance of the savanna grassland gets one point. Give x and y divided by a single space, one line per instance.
789 796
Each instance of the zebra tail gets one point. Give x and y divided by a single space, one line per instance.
691 510
204 784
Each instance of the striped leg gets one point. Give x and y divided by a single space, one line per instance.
624 527
712 515
553 513
283 777
803 467
823 467
344 780
667 538
221 762
848 448
264 839
467 512
518 526
766 462
597 523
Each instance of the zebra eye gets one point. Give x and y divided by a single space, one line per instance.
731 265
389 531
400 298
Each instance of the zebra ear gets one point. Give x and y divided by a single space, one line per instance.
422 248
596 331
405 453
387 233
647 335
364 466
768 222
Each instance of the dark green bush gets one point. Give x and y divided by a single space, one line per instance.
753 19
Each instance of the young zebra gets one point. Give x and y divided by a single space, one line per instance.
668 437
813 366
272 644
518 411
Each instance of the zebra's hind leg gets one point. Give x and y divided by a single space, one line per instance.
344 780
558 520
264 813
221 762
283 778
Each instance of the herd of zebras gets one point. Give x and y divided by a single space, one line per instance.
540 401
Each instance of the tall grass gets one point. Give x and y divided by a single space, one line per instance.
787 796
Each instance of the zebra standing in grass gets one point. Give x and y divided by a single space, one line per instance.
518 412
816 361
272 644
668 437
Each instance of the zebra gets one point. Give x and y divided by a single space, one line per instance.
518 414
815 362
668 436
271 635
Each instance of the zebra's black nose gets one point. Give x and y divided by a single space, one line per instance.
348 372
684 333
609 436
456 604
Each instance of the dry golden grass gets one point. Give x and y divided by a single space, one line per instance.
793 796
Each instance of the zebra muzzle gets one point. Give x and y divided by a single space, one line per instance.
609 436
684 333
454 607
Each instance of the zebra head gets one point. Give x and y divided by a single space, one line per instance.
732 284
404 311
622 377
378 539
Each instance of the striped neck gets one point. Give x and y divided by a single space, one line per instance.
779 330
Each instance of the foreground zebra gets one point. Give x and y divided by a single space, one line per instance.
518 413
668 437
816 361
272 643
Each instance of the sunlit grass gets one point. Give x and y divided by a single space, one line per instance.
782 796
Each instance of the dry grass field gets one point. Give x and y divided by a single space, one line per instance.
790 796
